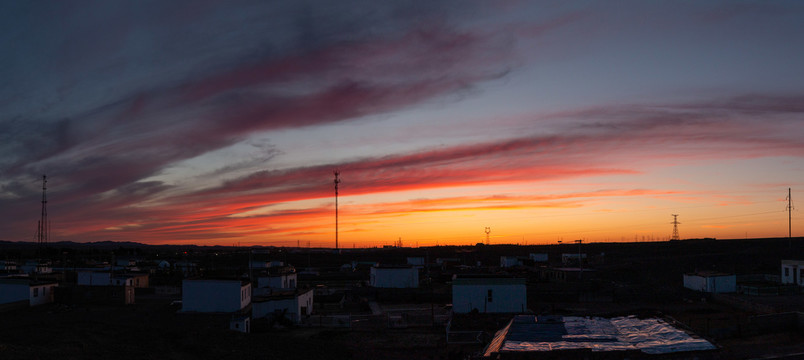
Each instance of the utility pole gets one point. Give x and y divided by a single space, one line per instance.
580 260
675 228
789 218
337 181
42 231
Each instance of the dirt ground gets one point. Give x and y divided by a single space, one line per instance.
156 331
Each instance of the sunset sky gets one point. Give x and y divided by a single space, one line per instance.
221 122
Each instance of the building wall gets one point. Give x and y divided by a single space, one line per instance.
296 307
94 278
215 295
792 272
403 277
22 290
14 292
509 261
539 257
42 294
283 281
711 284
265 308
505 298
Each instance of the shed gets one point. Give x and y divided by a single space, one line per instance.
489 294
793 272
215 295
292 304
27 290
399 276
711 282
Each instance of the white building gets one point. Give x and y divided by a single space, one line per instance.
6 265
416 261
401 276
711 282
538 257
489 294
125 262
793 272
106 278
293 304
281 280
510 261
34 292
572 258
34 267
206 295
240 324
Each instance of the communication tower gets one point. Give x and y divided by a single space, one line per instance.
488 232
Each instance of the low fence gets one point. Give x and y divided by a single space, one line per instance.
743 304
375 322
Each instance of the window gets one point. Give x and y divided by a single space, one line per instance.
489 295
36 292
787 271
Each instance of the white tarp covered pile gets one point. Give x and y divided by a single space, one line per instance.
651 336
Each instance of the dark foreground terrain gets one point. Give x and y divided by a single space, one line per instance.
630 278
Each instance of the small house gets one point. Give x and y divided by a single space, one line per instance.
510 261
215 296
278 278
711 282
240 324
293 305
106 278
399 276
793 272
538 258
27 291
489 294
415 261
6 265
573 258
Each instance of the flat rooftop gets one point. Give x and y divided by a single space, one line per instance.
629 335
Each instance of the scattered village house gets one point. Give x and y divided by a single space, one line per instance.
711 282
489 294
573 258
215 296
106 278
294 304
399 276
510 261
538 257
277 278
27 291
416 261
793 272
36 267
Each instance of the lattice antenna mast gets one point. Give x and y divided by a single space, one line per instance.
488 232
675 228
337 181
42 230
